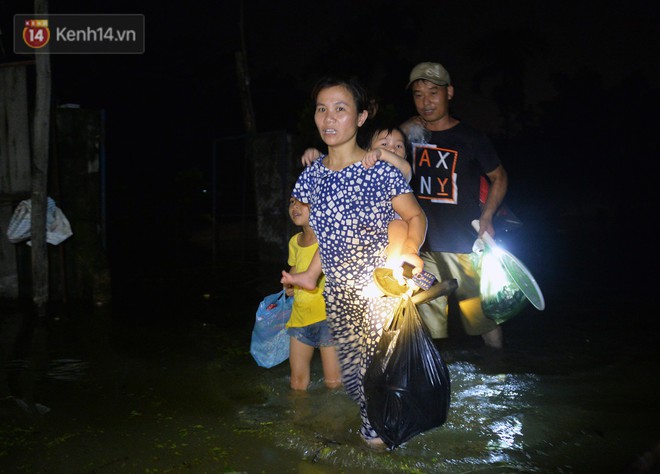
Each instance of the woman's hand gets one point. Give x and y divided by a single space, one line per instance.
396 262
414 260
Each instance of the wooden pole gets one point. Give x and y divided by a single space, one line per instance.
243 78
39 177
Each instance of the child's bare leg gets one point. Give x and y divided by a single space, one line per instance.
309 279
331 368
300 358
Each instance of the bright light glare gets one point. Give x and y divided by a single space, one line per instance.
371 291
509 433
492 271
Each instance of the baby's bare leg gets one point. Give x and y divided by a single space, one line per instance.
309 279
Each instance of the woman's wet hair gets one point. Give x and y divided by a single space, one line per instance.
351 84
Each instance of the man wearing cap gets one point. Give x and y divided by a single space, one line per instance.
449 158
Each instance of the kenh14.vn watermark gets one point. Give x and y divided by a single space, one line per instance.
78 34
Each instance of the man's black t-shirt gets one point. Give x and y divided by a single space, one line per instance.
446 178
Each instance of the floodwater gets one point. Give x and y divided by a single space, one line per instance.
161 381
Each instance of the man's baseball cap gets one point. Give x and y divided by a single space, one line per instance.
433 72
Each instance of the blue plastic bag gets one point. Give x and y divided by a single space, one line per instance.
270 340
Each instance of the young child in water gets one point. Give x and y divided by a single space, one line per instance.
307 325
387 144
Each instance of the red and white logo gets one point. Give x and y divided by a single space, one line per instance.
36 33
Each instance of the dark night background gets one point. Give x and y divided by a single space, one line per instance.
568 92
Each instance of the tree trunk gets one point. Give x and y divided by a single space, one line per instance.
40 175
243 78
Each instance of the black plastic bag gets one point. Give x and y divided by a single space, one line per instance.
407 384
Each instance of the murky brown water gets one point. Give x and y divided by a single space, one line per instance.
167 384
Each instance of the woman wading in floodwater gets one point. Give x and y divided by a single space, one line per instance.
350 209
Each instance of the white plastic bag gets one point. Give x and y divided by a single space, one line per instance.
58 228
20 223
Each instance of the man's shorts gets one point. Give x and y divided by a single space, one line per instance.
315 335
434 313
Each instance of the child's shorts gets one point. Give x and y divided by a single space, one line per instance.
315 335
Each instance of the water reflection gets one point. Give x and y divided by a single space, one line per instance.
502 422
575 391
67 369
